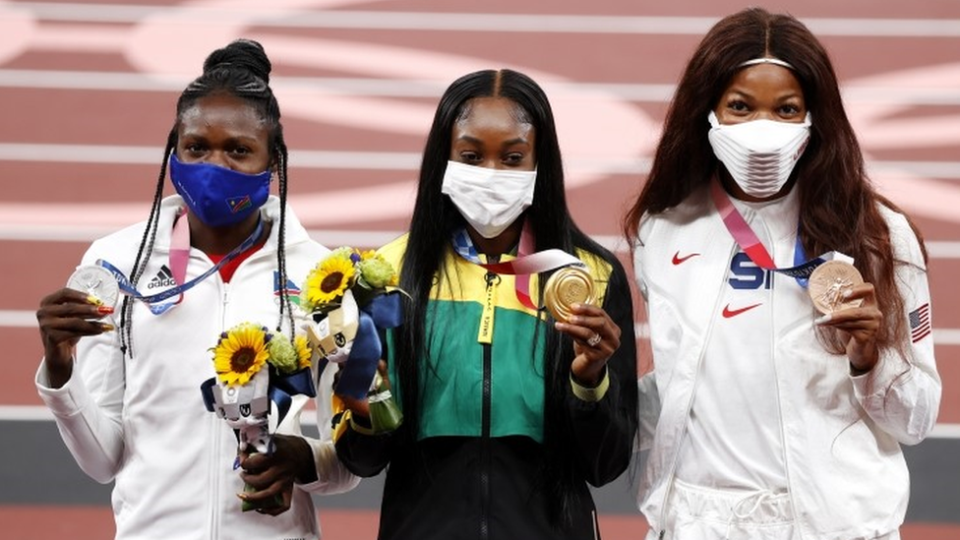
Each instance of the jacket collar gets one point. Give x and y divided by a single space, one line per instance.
295 233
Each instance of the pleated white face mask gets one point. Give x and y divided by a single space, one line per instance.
759 154
489 199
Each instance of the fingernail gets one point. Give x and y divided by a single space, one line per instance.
91 299
242 496
236 463
821 320
846 293
574 320
104 310
107 327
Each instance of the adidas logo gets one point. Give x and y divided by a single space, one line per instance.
164 278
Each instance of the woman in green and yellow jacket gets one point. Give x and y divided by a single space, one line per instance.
508 413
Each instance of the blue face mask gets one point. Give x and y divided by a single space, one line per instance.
217 195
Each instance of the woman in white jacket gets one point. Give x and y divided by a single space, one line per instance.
124 387
777 420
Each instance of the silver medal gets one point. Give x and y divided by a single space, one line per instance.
96 281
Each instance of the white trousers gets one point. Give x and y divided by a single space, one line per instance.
699 513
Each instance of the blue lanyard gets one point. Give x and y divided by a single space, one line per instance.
800 262
159 309
463 245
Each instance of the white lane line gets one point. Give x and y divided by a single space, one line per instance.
946 336
407 88
39 413
478 22
145 82
15 318
25 413
152 155
394 161
307 159
945 431
943 250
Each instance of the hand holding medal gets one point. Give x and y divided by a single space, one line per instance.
570 296
74 312
849 305
595 339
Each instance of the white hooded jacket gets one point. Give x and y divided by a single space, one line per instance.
141 422
841 433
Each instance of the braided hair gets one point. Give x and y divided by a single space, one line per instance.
240 69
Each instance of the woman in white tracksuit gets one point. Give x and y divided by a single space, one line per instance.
776 421
124 386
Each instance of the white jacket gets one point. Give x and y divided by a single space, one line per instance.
841 434
142 422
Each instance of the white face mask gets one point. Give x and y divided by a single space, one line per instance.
489 199
760 154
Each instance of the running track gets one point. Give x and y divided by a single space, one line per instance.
88 91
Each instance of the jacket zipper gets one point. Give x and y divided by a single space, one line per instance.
485 448
226 300
776 378
693 395
217 476
215 486
485 337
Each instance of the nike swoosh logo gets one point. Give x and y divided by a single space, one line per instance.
727 312
677 259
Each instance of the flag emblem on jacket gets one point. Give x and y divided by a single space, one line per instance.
291 291
237 204
920 323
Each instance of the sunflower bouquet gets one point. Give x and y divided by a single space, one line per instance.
362 274
352 295
257 370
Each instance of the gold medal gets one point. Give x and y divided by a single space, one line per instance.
567 286
828 283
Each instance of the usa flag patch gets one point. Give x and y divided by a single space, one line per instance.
920 323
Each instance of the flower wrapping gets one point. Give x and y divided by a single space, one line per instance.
385 416
351 295
258 373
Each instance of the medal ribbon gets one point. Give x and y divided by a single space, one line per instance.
748 241
524 265
179 256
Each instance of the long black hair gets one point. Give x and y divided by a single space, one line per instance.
240 69
434 220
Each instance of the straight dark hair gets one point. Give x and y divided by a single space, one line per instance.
434 220
838 203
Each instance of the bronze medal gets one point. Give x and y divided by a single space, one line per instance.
567 286
827 284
